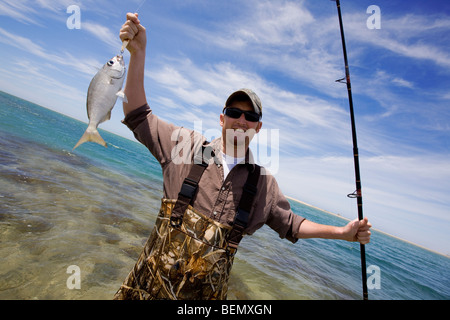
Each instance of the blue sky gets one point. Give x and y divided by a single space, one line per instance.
289 53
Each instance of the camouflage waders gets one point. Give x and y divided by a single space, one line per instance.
190 262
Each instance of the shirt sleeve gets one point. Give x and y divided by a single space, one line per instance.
161 138
281 218
135 117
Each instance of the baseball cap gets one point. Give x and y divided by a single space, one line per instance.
248 94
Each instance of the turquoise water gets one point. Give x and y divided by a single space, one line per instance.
94 208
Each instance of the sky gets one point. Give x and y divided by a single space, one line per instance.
290 54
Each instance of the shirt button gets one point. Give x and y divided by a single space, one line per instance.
223 188
215 213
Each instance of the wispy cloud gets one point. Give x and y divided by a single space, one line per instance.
282 36
270 24
63 58
18 10
412 35
21 43
285 37
56 6
403 83
35 11
102 33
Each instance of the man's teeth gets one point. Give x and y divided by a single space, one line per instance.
239 130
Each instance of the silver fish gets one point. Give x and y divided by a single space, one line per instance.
102 94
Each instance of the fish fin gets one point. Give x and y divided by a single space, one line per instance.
91 135
121 94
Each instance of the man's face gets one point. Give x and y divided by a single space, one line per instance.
238 132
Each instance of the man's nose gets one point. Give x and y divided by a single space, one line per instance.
242 119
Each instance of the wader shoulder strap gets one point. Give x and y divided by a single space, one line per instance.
190 186
244 209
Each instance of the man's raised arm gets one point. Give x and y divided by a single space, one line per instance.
135 33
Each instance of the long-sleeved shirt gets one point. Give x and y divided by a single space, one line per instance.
174 148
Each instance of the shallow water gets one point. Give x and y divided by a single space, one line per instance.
57 211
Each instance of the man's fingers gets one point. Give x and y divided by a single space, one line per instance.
363 238
363 222
362 232
133 17
364 225
128 31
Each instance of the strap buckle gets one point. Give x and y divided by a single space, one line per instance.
188 188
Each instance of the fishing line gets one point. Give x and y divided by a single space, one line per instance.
142 3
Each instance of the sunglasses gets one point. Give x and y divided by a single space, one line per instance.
236 114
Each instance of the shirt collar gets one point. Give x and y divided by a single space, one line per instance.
216 145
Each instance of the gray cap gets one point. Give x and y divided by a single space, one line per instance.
248 94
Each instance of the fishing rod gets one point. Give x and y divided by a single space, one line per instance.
357 193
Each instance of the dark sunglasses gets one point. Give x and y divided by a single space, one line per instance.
236 114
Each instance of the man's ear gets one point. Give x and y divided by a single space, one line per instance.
258 127
222 119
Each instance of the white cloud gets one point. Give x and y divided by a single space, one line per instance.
412 36
17 10
285 37
264 25
282 36
35 11
21 43
62 58
403 83
55 6
102 33
271 24
416 51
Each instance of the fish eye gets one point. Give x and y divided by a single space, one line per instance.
110 62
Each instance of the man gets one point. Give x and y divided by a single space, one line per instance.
209 202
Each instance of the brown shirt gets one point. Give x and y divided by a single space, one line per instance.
173 147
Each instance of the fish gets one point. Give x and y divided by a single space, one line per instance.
103 91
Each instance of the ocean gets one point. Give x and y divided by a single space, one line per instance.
72 224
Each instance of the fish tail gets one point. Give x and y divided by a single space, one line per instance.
91 135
